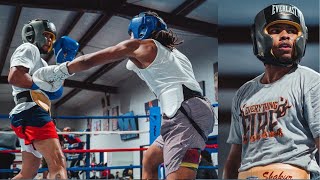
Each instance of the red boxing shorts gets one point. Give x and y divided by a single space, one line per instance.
33 124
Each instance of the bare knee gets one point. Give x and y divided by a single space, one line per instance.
152 159
57 162
26 175
146 161
57 168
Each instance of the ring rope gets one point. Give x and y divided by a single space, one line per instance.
100 168
89 117
95 150
213 146
99 117
87 150
91 132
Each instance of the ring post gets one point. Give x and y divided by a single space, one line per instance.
155 123
101 158
87 155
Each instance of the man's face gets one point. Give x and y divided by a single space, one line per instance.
67 129
284 36
50 40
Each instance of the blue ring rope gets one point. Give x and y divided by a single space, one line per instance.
96 168
96 117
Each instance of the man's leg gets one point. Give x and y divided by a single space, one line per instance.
30 166
45 174
52 152
44 165
183 173
6 160
188 167
77 164
75 174
182 140
152 158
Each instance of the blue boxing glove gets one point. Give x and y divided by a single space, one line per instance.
65 49
34 86
51 95
54 95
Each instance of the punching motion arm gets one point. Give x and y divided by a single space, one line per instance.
51 78
141 52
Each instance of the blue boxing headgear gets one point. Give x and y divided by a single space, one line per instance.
144 24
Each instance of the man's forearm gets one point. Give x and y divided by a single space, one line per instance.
230 170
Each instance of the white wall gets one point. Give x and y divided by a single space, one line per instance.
203 53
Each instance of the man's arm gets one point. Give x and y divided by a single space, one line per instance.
19 76
51 78
143 51
232 164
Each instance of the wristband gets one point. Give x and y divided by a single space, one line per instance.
34 86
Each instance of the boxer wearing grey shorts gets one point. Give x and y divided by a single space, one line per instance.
180 141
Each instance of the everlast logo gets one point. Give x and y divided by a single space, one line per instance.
284 8
273 175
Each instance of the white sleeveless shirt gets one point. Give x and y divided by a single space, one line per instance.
165 77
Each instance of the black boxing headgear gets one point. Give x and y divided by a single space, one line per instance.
263 42
33 33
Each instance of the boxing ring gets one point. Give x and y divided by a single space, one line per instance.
154 126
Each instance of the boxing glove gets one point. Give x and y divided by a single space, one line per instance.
54 95
65 49
51 78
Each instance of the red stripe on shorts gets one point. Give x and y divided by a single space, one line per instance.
31 133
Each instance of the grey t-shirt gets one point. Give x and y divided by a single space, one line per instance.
277 122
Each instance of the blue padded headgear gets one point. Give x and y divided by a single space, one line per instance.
144 24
